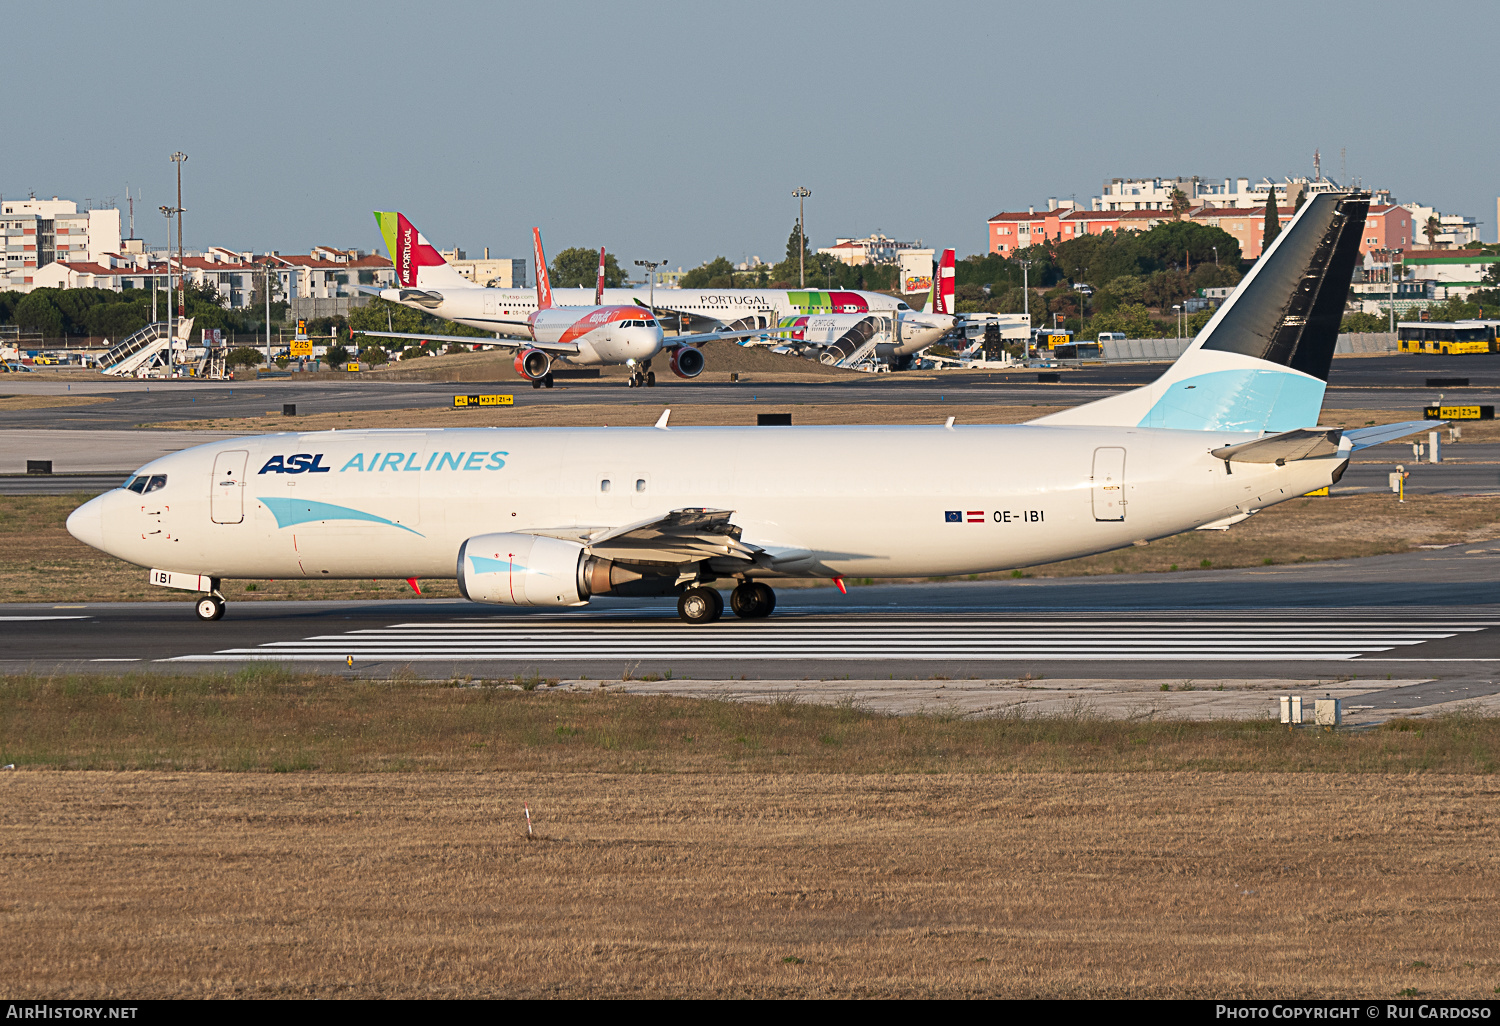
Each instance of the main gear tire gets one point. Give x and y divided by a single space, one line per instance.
752 600
700 605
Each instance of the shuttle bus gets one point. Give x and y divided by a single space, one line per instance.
1447 338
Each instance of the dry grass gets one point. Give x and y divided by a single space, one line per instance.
949 885
268 719
44 402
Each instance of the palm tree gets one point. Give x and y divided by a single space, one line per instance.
1431 230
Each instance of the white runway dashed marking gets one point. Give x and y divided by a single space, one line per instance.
963 636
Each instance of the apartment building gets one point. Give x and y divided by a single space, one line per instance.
38 232
498 273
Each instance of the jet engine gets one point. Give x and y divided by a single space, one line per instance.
534 570
533 364
687 362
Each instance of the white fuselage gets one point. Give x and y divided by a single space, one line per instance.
603 334
822 501
506 310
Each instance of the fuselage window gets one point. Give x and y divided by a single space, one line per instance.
640 484
604 485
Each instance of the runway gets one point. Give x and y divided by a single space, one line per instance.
1393 383
1429 617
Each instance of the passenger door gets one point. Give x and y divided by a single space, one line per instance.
1109 483
227 495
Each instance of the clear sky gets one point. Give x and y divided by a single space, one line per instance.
679 130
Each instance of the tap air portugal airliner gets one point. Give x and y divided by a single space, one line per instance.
588 334
425 281
554 516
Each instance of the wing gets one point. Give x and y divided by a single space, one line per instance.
681 536
479 340
1363 438
709 336
1301 444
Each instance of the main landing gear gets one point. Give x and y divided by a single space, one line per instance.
750 601
642 376
543 382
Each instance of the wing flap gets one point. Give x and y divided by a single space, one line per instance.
1286 447
1363 438
681 536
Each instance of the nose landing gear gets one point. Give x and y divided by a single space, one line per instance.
209 607
642 376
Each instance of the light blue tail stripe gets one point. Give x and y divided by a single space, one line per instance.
1239 400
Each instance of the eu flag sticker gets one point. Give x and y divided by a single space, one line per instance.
953 516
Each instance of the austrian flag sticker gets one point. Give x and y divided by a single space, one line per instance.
955 516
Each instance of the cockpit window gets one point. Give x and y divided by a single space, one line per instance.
902 306
135 484
143 483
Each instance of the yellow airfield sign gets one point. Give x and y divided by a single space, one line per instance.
461 402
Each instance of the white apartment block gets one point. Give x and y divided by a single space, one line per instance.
1156 193
873 249
39 232
1454 231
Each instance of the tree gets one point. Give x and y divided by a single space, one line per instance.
337 355
1273 222
579 268
373 356
1432 229
1180 204
1361 323
718 273
244 356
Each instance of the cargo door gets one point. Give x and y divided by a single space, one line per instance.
227 497
1109 483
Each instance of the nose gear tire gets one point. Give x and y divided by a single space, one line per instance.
209 607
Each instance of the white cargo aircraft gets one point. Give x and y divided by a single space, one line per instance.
551 517
588 334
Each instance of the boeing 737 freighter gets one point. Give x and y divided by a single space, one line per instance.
551 517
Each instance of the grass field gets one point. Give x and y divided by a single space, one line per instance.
706 849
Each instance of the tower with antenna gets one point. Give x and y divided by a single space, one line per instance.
1317 166
130 202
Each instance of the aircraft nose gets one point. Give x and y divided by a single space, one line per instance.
86 523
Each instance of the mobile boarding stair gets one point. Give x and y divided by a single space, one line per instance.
144 353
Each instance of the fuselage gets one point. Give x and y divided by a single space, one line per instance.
855 501
507 310
603 334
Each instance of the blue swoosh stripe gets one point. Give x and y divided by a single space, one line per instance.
486 565
290 512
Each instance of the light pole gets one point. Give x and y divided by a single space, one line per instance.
169 213
178 158
268 311
801 195
1177 320
651 266
1216 255
1082 299
1026 296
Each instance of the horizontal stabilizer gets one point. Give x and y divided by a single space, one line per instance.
1363 438
1287 447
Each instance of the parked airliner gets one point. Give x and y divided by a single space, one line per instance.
425 281
551 517
592 334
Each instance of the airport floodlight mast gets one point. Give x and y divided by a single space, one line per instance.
801 195
178 158
1177 319
169 212
651 266
1026 293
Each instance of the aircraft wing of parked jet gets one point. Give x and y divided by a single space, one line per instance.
552 517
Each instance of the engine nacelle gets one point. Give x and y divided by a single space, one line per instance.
687 362
522 570
533 364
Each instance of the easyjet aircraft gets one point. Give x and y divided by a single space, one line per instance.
588 335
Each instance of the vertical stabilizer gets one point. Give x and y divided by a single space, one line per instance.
543 283
599 284
942 284
1262 362
418 265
